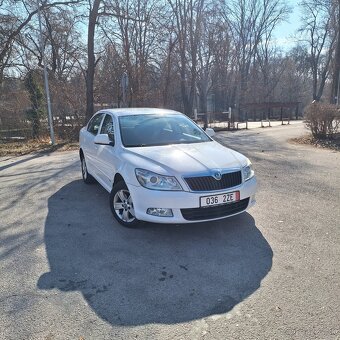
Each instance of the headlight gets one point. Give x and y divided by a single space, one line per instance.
153 181
248 171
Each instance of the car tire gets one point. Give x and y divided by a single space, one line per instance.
87 178
122 206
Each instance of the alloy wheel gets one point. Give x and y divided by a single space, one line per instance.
123 206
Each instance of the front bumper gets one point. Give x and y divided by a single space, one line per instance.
176 200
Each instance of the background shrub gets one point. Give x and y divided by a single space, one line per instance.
322 119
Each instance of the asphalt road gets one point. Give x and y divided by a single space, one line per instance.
68 271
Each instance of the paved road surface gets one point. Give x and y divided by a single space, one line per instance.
68 271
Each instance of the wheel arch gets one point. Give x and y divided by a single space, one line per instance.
118 178
115 188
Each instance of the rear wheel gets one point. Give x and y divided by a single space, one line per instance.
87 178
122 207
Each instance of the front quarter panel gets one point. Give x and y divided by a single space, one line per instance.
127 168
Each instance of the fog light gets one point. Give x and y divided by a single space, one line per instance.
161 212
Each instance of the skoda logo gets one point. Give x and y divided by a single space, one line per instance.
217 175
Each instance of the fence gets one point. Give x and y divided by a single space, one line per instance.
223 121
14 128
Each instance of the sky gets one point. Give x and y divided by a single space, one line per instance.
285 32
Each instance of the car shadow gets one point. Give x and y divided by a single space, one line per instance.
156 274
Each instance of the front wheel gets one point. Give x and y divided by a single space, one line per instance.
122 206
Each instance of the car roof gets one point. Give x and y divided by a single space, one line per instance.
138 110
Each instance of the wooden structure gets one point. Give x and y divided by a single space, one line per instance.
266 110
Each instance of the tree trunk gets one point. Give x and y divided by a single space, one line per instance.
91 62
336 70
167 75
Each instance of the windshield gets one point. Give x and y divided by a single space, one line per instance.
159 129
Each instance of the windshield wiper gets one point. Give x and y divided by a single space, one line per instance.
135 145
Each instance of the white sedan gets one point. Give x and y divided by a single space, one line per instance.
159 166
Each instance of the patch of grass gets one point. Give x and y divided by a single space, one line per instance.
325 143
18 148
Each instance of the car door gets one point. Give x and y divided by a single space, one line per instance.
106 155
89 148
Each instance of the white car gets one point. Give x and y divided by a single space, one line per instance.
159 166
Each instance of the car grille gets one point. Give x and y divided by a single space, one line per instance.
207 213
209 183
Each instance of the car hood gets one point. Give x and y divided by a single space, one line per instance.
184 158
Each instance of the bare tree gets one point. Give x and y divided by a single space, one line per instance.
166 70
211 46
336 67
188 25
177 53
63 40
133 29
91 59
250 22
268 65
14 18
318 39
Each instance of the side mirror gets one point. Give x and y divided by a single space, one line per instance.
102 139
210 132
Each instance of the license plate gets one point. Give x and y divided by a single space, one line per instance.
212 200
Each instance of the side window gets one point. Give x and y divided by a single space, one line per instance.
94 123
107 127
